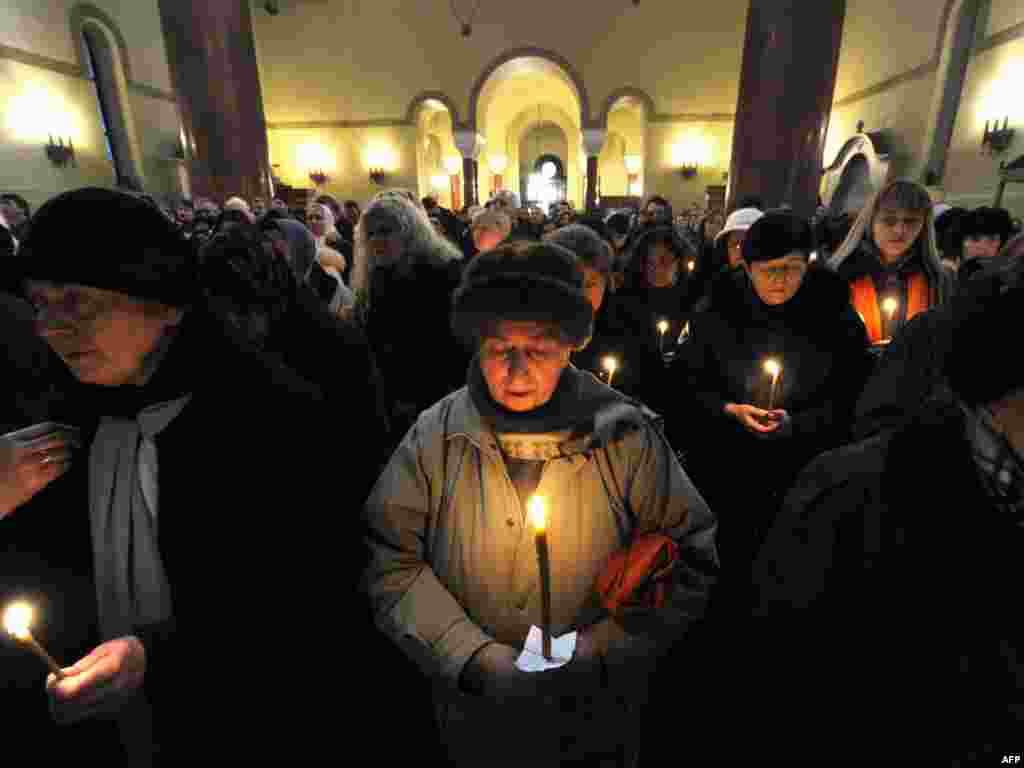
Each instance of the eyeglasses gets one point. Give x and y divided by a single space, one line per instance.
778 274
535 355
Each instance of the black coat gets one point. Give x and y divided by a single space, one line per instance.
260 539
409 328
820 342
889 605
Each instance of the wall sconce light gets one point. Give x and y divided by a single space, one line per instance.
61 154
378 175
688 169
633 164
687 156
997 140
319 178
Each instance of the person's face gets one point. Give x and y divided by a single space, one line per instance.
317 222
653 212
594 285
522 363
384 241
981 246
661 267
778 280
185 215
104 337
12 213
895 230
734 247
536 216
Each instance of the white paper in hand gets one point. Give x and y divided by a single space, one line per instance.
532 658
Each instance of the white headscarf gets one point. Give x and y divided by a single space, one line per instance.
321 240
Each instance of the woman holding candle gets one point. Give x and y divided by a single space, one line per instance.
891 253
783 331
455 579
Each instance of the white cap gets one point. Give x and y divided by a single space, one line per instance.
739 221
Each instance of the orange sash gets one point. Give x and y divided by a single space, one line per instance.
865 301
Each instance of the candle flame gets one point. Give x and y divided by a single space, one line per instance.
662 326
17 619
772 368
537 509
691 265
890 306
610 364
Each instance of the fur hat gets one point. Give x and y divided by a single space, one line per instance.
539 282
775 235
739 221
111 240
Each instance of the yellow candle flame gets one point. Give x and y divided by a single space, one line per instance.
772 368
610 364
537 509
17 620
662 326
691 265
890 306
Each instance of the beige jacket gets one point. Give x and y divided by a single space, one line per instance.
454 565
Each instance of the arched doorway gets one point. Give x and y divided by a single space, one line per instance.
521 96
546 182
438 161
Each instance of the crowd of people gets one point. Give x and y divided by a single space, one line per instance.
283 483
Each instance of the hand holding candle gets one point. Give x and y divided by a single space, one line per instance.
774 369
17 620
537 509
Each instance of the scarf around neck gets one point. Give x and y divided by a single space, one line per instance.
999 466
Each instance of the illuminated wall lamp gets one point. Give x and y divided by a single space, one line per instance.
61 154
997 140
378 175
319 178
688 169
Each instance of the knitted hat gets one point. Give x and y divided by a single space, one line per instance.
739 221
111 240
775 236
539 282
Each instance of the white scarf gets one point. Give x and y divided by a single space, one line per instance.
131 587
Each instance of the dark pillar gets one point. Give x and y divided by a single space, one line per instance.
469 171
212 59
591 202
790 58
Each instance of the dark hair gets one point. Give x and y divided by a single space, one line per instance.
618 223
239 267
635 278
331 203
429 202
658 199
186 203
592 248
948 229
231 216
750 201
18 200
986 221
274 214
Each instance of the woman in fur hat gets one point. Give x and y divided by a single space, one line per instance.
454 577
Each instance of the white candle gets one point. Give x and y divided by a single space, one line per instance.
773 369
610 365
537 509
662 330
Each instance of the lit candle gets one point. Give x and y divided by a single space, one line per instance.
611 365
773 369
662 330
538 517
17 620
691 265
889 306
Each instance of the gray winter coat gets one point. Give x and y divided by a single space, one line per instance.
454 567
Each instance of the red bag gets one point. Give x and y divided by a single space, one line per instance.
636 578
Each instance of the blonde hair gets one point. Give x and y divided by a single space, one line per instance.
420 241
909 196
493 220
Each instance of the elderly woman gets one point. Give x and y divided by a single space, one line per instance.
891 260
454 579
403 277
490 228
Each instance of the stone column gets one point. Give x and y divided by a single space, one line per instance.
212 58
790 58
593 143
470 144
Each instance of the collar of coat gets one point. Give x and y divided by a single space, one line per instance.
612 420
